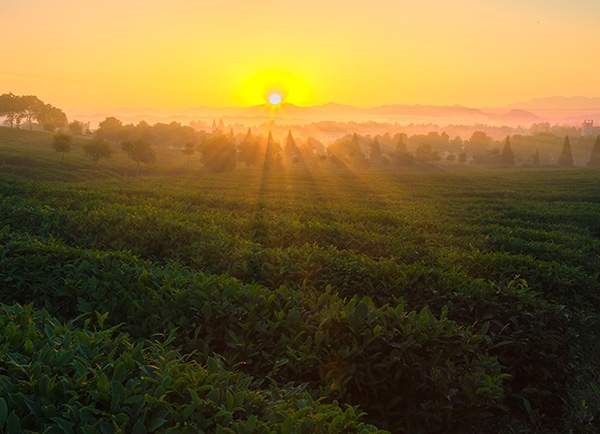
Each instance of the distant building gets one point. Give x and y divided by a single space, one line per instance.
588 127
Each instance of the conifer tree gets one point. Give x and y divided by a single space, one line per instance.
595 155
400 156
375 154
507 158
250 150
401 146
273 153
292 153
566 156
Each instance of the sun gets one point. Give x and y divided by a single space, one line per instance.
274 88
275 98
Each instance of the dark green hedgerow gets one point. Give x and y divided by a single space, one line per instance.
63 378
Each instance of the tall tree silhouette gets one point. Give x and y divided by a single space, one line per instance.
565 158
507 158
400 155
375 154
273 153
595 155
292 153
250 150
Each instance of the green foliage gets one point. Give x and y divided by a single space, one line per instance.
219 153
434 302
15 108
97 149
61 142
64 378
594 160
565 158
507 158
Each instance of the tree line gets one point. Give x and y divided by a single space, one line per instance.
222 151
17 109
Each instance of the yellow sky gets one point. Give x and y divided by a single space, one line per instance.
178 54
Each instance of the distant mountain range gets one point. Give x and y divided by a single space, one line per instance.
559 103
571 110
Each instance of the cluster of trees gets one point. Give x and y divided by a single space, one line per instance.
100 147
222 151
565 158
96 149
17 109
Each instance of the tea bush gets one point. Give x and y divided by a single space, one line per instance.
383 358
437 302
62 377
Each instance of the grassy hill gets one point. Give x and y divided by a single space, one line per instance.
29 154
292 302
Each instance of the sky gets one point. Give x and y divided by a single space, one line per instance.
180 54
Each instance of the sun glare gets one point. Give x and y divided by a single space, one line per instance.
274 87
275 98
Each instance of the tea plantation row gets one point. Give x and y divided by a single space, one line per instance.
434 302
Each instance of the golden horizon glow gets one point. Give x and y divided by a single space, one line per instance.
183 54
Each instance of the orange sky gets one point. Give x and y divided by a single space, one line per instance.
182 53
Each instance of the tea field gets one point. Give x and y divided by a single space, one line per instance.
298 302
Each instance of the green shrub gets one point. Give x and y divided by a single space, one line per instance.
58 377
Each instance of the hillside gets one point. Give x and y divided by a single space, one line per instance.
272 301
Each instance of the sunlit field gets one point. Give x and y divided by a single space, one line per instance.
288 301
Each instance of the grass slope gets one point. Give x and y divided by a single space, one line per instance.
436 302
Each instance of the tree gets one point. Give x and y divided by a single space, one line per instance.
400 156
97 149
61 142
565 158
292 153
188 149
273 153
507 158
595 155
32 107
219 153
110 128
16 108
346 152
312 151
51 117
11 107
478 143
141 152
127 146
456 144
76 128
375 154
250 150
426 153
